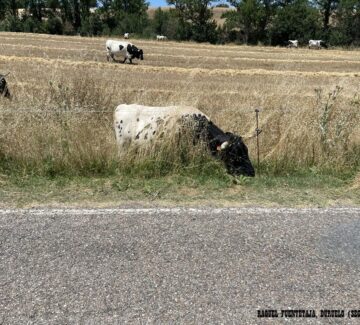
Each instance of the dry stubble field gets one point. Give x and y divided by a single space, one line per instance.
65 93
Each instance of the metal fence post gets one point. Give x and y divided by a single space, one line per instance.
258 131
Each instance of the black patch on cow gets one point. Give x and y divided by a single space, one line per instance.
4 90
137 136
323 44
121 47
145 136
137 120
154 132
135 52
121 121
235 156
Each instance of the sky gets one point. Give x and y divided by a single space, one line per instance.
157 3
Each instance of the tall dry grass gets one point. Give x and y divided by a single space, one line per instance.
61 118
65 128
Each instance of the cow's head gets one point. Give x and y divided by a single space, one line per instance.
4 90
323 44
234 154
136 53
229 147
139 54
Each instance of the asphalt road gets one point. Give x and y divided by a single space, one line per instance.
203 266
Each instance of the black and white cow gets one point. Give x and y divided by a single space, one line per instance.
4 90
317 44
138 124
292 43
125 49
161 38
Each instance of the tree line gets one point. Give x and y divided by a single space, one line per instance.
268 22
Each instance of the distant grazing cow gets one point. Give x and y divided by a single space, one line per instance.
138 124
4 90
126 35
317 44
292 43
127 50
161 38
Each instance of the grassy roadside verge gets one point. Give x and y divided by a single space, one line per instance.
302 189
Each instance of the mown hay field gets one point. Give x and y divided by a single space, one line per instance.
65 92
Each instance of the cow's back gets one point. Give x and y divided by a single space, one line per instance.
139 124
315 43
117 47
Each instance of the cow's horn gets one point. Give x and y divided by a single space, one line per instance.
224 145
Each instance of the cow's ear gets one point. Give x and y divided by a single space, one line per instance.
121 47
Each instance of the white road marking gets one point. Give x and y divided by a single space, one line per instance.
177 211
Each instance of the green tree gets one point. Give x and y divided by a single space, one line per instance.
54 26
195 19
297 20
53 5
3 8
10 7
347 29
127 15
35 8
249 18
160 21
327 8
130 6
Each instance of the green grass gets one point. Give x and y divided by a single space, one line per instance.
310 188
173 177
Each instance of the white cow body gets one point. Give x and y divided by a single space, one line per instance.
317 44
161 38
117 48
140 124
293 43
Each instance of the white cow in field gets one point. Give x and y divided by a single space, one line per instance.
292 43
124 49
126 35
161 38
140 125
317 44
